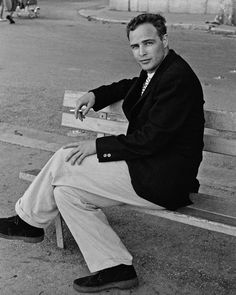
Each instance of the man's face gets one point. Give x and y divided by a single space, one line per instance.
147 47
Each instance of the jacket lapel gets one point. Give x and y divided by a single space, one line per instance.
134 93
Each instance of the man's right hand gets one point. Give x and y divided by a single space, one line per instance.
83 105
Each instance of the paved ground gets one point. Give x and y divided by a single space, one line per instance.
41 58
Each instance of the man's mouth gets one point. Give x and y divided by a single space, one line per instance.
144 61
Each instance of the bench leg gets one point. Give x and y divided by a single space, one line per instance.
59 232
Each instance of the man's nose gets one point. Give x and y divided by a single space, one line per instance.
142 50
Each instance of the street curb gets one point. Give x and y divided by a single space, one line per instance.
189 26
223 31
83 13
186 26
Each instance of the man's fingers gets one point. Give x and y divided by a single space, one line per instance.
70 145
71 154
75 158
76 155
80 113
86 110
80 159
79 151
83 105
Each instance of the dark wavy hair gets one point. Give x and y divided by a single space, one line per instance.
157 20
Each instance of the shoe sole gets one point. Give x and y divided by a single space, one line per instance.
116 285
25 239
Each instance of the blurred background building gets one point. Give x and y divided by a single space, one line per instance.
224 9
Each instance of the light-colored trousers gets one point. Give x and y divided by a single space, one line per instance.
79 192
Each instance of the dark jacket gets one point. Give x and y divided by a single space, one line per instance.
164 141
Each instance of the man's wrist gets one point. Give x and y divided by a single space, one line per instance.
92 95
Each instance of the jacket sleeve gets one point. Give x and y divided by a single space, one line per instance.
173 102
109 94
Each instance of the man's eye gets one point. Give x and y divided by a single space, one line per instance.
149 43
134 47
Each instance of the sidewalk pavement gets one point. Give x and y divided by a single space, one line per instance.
174 20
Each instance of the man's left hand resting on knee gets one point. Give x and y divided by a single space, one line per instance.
80 150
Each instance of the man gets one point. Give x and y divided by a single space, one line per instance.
11 7
1 11
153 166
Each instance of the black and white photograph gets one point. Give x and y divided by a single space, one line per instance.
118 147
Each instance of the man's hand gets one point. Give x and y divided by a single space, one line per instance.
80 151
83 105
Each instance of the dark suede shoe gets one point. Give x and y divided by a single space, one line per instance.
14 228
120 277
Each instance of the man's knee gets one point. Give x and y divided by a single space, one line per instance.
60 155
64 194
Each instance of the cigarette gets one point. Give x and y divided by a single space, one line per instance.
73 110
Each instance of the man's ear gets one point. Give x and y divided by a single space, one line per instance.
165 40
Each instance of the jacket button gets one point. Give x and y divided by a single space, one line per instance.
109 155
104 155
